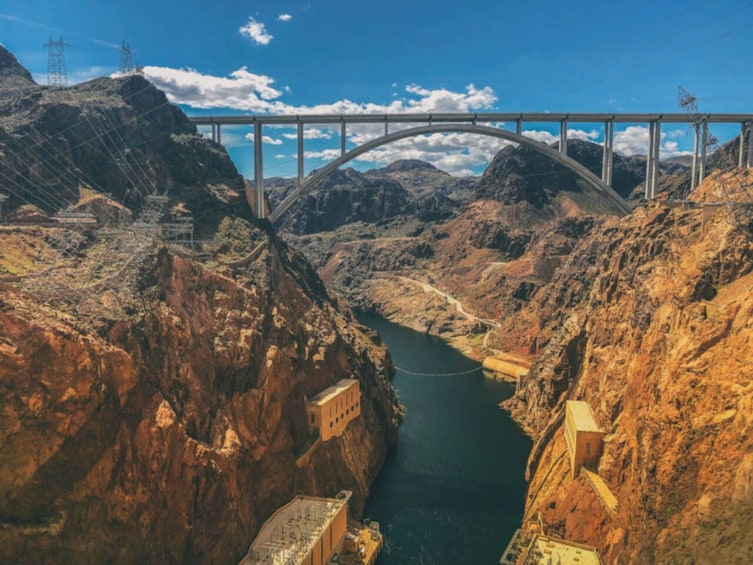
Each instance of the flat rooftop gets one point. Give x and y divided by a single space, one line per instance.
330 392
562 552
582 416
294 529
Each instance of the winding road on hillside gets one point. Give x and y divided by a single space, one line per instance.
452 300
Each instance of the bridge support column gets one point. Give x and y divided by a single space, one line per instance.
694 166
749 160
563 137
657 155
741 149
342 138
704 143
652 158
608 156
649 160
299 154
259 172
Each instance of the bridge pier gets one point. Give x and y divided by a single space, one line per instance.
608 156
741 149
652 158
299 155
563 137
704 144
694 165
259 171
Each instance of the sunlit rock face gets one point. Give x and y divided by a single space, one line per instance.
655 338
173 432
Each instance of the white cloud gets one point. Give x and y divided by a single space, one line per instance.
540 135
284 17
672 149
256 31
311 133
324 154
454 152
583 135
242 90
633 140
264 139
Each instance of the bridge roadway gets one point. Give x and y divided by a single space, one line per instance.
436 120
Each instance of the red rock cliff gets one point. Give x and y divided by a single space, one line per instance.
171 433
658 341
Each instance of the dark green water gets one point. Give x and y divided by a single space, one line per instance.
452 490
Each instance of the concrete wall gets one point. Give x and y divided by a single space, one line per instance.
332 540
584 446
330 418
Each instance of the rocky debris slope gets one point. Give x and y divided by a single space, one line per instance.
172 433
650 325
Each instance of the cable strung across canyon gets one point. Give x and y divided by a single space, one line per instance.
468 372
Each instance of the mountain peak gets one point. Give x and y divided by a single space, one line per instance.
10 68
404 165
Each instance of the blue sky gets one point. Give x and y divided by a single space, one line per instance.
301 56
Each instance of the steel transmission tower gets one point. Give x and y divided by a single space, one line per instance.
57 74
126 62
734 189
708 143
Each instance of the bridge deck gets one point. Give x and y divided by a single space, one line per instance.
484 117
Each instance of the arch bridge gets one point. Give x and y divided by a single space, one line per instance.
470 123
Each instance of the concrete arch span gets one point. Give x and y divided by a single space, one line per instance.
616 202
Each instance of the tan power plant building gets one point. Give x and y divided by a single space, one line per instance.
308 530
330 411
584 437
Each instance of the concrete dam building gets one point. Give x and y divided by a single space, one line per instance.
329 412
584 436
308 530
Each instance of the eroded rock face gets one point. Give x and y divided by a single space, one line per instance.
173 434
655 338
118 136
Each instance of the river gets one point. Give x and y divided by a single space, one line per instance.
452 491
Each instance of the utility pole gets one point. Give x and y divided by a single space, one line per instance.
57 74
126 61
